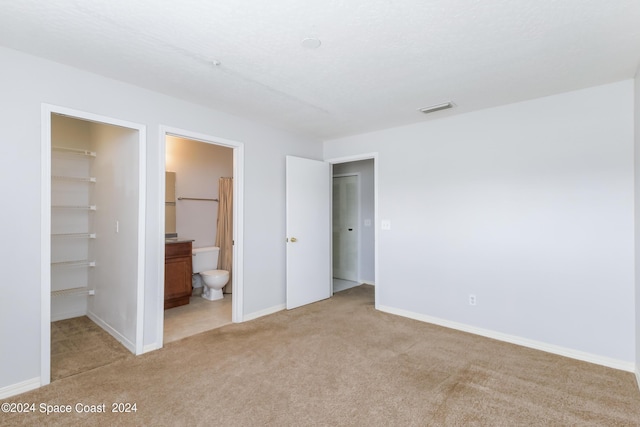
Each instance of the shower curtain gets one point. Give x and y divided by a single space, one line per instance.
224 233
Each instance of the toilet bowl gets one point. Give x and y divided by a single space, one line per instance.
205 263
214 281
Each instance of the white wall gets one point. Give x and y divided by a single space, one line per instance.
69 133
115 249
198 166
637 217
26 83
366 249
528 206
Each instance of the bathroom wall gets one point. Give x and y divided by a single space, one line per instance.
366 250
198 166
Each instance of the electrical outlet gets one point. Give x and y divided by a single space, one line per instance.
472 299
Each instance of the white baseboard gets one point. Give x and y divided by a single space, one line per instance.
150 347
117 335
549 348
265 312
366 282
67 315
19 388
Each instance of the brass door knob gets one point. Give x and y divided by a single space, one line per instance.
293 240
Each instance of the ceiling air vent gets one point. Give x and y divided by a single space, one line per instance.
437 107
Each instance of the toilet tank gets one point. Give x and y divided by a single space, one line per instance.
204 259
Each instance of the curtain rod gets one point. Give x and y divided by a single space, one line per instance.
195 198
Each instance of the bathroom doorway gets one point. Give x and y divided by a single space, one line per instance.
194 165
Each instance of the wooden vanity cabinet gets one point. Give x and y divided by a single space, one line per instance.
177 274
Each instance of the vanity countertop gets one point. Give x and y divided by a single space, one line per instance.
176 240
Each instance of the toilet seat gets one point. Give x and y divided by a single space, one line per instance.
214 273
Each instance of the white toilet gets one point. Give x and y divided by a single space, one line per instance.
205 262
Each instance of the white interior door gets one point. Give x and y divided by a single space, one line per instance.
345 227
308 210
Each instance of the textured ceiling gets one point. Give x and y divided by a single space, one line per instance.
380 60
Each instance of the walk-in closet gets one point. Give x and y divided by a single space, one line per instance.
94 243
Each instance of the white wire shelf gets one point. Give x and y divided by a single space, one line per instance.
76 151
72 291
73 178
80 207
74 236
78 263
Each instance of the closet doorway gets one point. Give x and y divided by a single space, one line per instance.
92 243
193 166
346 226
354 234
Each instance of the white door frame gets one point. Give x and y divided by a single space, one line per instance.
45 226
358 226
237 277
374 157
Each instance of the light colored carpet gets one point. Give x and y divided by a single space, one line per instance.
79 345
340 362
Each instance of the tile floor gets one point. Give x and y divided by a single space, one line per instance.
199 315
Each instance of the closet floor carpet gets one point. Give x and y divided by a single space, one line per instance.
79 345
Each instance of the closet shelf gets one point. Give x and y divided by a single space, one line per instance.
85 207
74 236
74 151
73 291
78 263
73 178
